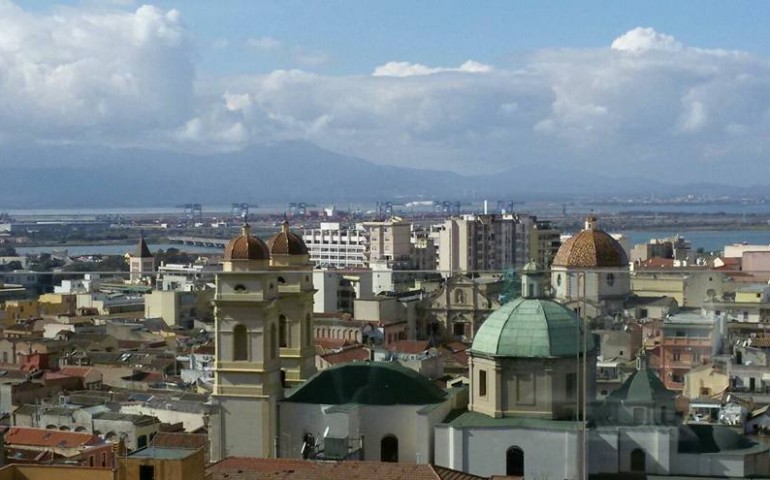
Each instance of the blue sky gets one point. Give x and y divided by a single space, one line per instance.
622 87
349 37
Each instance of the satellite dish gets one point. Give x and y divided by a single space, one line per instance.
326 432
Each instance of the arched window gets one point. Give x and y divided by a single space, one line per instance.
273 342
283 325
240 343
514 462
638 459
389 448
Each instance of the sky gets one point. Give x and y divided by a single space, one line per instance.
645 88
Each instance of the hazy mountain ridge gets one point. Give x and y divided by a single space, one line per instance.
290 171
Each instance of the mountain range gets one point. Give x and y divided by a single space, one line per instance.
76 176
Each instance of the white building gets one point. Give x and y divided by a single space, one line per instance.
332 245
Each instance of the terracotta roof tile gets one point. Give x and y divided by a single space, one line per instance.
180 440
246 247
294 469
286 243
591 248
49 438
409 346
353 354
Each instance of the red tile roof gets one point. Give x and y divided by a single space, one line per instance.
295 469
353 354
49 438
657 262
180 440
408 346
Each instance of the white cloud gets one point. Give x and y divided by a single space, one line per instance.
645 39
406 69
643 103
265 43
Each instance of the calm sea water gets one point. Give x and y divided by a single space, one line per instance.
78 250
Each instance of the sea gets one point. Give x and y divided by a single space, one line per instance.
708 240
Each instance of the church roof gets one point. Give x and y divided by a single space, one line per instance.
246 247
591 248
142 251
530 327
286 243
696 438
368 383
642 387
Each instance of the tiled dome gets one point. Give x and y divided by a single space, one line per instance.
246 247
530 328
286 243
591 248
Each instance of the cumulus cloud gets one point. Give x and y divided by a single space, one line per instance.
108 76
406 69
643 103
645 39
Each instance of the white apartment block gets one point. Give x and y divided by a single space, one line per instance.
484 243
335 246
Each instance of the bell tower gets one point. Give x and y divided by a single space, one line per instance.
290 262
247 375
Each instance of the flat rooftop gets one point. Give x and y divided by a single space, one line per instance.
163 453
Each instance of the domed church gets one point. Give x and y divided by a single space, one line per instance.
590 273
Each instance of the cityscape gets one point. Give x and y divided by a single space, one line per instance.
284 240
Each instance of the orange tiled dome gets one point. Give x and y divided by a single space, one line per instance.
591 248
286 243
246 247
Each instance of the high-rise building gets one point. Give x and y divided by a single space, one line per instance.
472 243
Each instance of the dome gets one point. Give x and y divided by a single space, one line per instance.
368 383
530 328
246 247
286 243
590 248
642 387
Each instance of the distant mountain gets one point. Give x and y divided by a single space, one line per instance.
74 176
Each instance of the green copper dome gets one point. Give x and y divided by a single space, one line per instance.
531 327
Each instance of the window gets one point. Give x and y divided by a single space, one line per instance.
389 448
514 462
610 279
458 329
240 343
558 280
483 383
571 387
240 288
638 460
283 325
676 356
146 472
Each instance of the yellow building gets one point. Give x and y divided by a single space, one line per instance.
57 304
19 310
156 463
